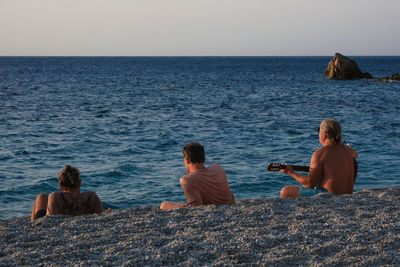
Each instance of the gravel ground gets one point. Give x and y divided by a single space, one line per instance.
362 229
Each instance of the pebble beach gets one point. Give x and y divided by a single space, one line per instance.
362 229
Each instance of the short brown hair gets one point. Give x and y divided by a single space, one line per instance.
194 152
69 177
332 129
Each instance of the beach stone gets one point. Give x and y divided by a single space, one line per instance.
343 68
359 229
394 77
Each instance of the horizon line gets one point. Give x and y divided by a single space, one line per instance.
348 55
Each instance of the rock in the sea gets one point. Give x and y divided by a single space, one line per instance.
343 68
394 77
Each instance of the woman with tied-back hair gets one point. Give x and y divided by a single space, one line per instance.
332 168
70 201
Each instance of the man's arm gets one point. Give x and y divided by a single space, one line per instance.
313 176
192 195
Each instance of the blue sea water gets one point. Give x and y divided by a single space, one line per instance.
124 120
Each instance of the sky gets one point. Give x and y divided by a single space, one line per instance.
199 28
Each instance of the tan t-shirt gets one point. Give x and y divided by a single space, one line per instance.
209 186
64 203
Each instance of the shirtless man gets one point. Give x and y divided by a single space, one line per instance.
70 201
331 167
202 185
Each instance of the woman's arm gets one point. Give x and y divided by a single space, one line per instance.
52 207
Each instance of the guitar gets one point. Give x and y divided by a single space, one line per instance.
276 167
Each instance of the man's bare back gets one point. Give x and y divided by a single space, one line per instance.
332 168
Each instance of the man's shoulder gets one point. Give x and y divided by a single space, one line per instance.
215 165
212 169
333 147
187 178
322 150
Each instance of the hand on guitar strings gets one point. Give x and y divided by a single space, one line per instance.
287 169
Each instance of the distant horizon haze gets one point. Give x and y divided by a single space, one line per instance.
199 28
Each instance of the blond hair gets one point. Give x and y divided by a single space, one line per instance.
332 129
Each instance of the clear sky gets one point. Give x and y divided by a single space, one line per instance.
199 27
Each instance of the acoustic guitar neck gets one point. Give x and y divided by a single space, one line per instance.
275 167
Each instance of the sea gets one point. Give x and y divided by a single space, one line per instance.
123 121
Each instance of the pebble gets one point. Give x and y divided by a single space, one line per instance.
361 229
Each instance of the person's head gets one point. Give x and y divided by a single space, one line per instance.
194 152
69 178
332 129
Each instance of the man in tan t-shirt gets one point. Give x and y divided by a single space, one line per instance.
202 185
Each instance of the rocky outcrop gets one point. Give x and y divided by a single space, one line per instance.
343 68
394 77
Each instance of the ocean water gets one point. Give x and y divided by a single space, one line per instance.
123 122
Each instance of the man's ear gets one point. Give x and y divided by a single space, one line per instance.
187 161
323 136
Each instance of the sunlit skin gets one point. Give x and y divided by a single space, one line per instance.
333 167
42 199
40 204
